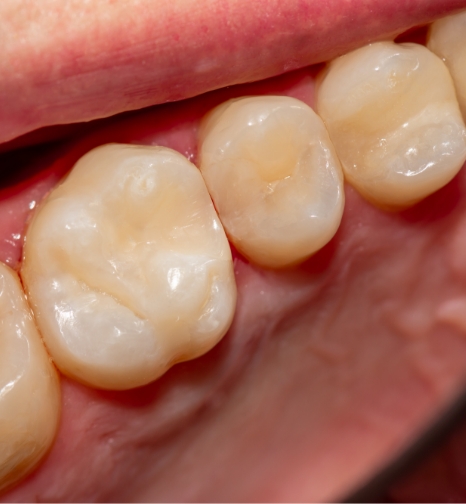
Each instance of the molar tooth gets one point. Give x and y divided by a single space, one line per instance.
447 39
272 172
29 386
392 114
127 267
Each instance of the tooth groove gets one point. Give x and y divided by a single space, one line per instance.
392 114
271 170
127 267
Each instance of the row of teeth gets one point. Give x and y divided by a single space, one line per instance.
126 264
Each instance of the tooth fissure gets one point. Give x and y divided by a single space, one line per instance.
133 245
392 114
270 168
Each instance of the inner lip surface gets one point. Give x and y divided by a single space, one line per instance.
126 55
237 364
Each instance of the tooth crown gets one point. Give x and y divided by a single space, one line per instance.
127 267
274 177
392 114
447 39
29 386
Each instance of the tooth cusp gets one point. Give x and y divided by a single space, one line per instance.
392 114
272 172
128 268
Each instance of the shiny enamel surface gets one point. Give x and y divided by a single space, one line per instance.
392 114
447 39
274 177
127 267
29 386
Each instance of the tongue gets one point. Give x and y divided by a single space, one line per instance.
111 57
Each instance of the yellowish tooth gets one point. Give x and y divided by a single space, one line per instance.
393 116
29 386
127 267
273 174
447 39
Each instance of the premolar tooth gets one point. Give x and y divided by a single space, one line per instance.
392 114
447 39
29 386
127 267
272 172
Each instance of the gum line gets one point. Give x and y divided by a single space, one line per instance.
174 138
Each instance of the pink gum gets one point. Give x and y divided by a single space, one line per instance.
64 62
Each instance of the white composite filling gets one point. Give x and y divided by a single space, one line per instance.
127 268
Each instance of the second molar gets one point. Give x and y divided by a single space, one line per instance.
393 116
275 179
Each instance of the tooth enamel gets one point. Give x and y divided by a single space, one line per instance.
392 114
274 177
127 267
29 386
447 39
